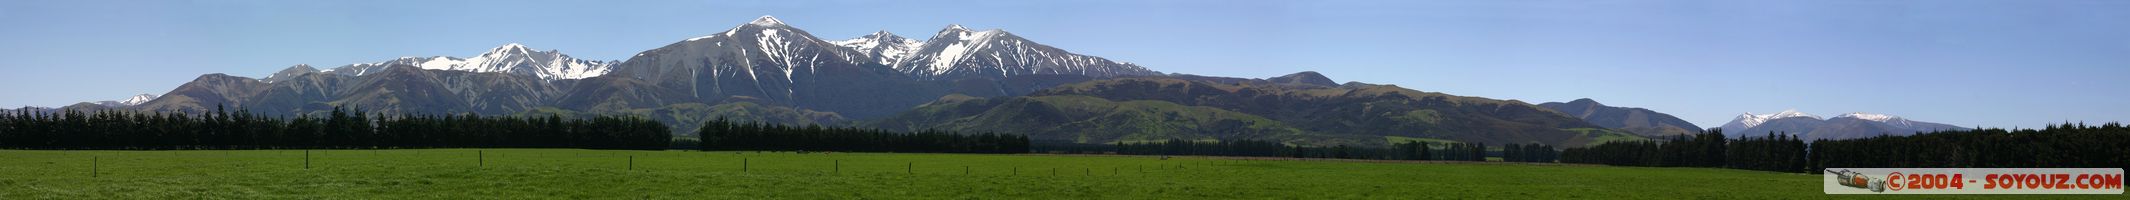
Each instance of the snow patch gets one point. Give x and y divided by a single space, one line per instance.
1869 116
766 20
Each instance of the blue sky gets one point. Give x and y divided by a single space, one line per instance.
1966 63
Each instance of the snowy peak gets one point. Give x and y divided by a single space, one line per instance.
882 35
956 28
137 99
1750 120
958 53
517 59
1889 120
884 47
766 20
1870 116
510 58
512 49
1788 114
762 52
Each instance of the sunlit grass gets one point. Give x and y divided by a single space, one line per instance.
601 174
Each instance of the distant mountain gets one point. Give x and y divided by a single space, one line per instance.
958 53
1160 108
883 47
128 102
390 90
30 109
1846 126
1640 121
86 107
1304 78
510 58
1863 125
203 94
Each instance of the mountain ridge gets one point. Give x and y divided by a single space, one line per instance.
1644 122
1847 126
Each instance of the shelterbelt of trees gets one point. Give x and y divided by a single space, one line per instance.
1258 148
2057 146
726 135
340 129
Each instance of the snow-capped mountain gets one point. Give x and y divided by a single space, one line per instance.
764 60
957 52
883 47
510 58
129 101
137 99
1846 126
1750 120
1881 118
1897 122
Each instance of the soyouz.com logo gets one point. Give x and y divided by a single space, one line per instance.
1973 181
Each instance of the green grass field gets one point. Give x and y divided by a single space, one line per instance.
603 174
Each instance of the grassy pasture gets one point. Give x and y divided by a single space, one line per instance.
604 174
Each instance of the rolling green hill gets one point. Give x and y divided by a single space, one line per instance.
1156 108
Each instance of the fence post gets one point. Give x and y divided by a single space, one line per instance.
743 164
632 162
839 166
480 158
93 162
909 168
306 159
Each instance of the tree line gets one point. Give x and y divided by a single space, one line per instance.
341 128
1463 152
1528 153
1699 150
1774 152
2064 145
2057 146
727 135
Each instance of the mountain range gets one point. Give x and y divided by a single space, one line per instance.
1812 127
959 79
